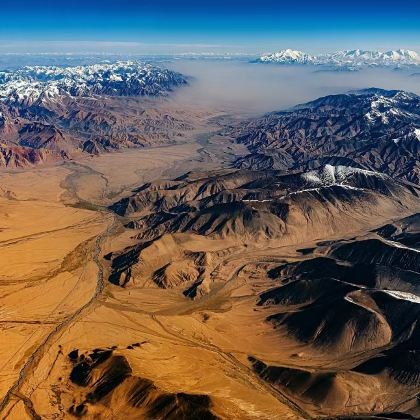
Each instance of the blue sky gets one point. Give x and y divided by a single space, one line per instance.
180 26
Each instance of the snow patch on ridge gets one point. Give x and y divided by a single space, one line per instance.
335 175
403 295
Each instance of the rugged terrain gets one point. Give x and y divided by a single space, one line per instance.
165 283
373 129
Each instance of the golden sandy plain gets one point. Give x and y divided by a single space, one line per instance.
55 296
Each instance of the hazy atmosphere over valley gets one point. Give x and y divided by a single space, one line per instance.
249 87
209 210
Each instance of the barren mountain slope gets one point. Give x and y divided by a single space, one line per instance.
332 325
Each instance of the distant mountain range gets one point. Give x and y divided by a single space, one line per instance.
347 58
50 113
372 129
31 85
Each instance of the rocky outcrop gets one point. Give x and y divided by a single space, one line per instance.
101 379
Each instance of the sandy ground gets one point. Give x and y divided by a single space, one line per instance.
46 272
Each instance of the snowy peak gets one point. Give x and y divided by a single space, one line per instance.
356 57
288 56
401 55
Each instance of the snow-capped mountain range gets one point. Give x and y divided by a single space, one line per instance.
28 85
347 58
